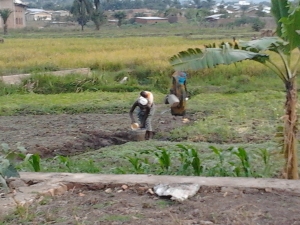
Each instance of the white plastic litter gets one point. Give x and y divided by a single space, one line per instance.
123 80
178 192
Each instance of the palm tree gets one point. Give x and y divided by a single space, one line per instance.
288 41
4 14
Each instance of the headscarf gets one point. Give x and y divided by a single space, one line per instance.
142 100
182 78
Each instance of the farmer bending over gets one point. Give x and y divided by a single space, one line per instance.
179 89
146 111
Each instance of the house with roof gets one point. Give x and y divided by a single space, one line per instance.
38 14
17 18
150 20
213 17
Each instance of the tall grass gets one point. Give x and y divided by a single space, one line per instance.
103 54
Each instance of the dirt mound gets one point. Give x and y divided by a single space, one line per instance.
87 140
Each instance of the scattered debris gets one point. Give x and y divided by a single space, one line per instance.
124 187
150 191
124 80
179 192
108 190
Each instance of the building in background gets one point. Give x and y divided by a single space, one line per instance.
17 17
38 14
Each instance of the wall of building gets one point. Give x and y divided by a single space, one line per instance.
17 17
150 21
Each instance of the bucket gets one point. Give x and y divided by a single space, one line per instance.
137 135
173 100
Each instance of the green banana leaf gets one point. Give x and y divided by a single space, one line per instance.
195 59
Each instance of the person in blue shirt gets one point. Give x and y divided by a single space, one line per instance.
179 89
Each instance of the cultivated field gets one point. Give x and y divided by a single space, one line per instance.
80 124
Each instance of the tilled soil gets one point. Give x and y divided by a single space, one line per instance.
66 135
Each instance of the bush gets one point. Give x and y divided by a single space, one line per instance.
257 24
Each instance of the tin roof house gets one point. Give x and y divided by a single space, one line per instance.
38 14
150 20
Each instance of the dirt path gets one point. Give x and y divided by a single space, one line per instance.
135 205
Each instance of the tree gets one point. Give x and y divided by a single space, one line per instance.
4 14
98 16
120 16
288 41
197 3
244 8
257 24
81 10
208 4
49 6
260 12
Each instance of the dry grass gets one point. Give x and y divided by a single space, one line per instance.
150 52
84 52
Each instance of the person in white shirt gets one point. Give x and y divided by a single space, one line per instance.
145 102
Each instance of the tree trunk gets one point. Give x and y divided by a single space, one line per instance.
290 131
5 28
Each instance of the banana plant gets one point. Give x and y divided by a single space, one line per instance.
284 44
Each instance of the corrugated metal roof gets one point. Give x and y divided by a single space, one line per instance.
19 2
35 10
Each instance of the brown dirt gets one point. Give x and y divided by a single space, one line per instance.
72 134
66 135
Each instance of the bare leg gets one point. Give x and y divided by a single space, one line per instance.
147 135
151 133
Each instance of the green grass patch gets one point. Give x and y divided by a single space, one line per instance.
72 103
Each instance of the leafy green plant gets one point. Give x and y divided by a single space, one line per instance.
65 161
164 158
266 158
242 154
190 157
7 162
33 159
75 165
231 162
219 168
136 163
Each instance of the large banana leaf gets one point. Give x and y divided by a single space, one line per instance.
263 44
195 59
291 25
288 22
279 9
